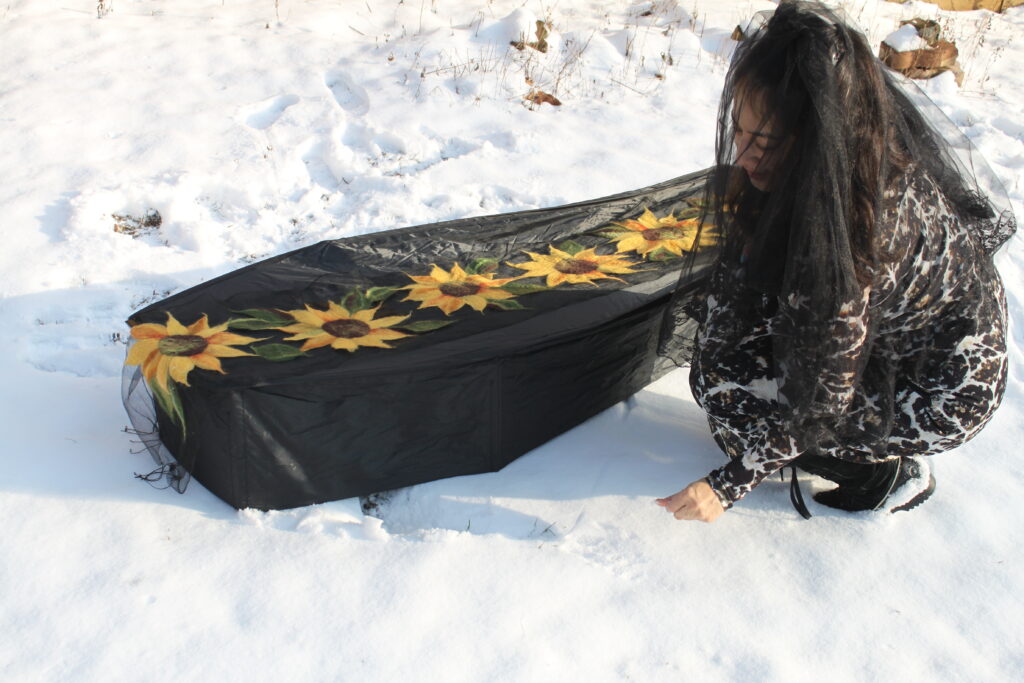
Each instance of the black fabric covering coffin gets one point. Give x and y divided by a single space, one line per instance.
467 398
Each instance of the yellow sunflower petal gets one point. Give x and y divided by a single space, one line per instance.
497 294
365 315
160 371
346 344
583 279
389 334
668 221
556 278
150 365
199 326
433 301
631 243
440 275
458 273
389 321
421 293
140 351
222 351
230 338
475 301
205 361
648 219
302 330
449 304
318 342
217 329
540 265
179 367
530 267
500 282
631 224
174 327
308 318
625 268
373 341
335 312
420 279
149 331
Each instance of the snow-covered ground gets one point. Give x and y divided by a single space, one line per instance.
255 127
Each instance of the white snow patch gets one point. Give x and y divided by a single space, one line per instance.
906 39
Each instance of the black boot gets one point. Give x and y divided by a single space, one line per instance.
879 483
835 470
870 486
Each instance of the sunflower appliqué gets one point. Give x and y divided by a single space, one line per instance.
338 328
168 353
651 236
451 290
575 265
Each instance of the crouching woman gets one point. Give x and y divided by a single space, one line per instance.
854 321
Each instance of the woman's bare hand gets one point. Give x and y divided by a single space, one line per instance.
697 501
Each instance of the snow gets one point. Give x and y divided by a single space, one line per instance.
906 39
253 131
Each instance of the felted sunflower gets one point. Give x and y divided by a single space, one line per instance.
584 266
451 290
648 234
172 351
339 329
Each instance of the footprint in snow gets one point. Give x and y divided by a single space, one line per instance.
350 96
1009 127
264 114
608 547
315 157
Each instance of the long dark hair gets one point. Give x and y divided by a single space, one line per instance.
824 92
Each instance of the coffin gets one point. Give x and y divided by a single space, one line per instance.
373 362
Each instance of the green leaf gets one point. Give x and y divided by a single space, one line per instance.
571 247
266 315
422 326
170 403
482 266
662 255
277 352
520 288
256 324
612 233
688 212
377 294
507 304
355 301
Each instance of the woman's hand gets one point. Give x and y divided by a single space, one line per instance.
697 501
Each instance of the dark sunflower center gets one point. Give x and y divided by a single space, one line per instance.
459 288
575 266
661 234
347 329
181 345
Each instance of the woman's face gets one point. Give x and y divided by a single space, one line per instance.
758 150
